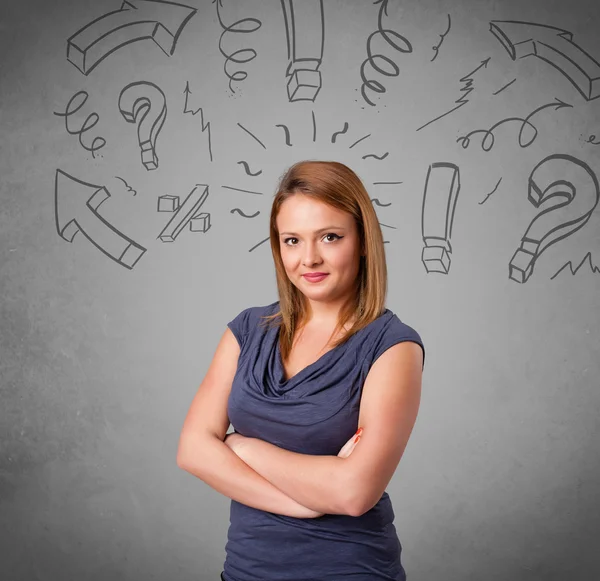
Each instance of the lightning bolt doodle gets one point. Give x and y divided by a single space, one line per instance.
467 89
205 126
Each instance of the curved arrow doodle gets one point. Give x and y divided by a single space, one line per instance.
135 20
145 104
76 208
553 45
489 138
305 34
575 187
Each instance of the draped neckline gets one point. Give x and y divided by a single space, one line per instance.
321 359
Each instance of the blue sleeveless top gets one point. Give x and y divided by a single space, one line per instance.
314 412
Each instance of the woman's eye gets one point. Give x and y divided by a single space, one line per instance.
286 241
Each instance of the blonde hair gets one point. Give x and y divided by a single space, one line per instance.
337 185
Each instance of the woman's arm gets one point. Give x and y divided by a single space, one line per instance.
215 464
313 481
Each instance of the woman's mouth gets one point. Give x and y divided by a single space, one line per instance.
316 277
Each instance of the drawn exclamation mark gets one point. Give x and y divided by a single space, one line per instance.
305 32
439 200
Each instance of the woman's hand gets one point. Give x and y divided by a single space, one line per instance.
349 446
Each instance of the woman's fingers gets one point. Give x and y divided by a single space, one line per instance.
349 446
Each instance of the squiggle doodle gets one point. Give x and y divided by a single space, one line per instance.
287 133
205 126
378 157
90 121
489 133
236 27
591 139
244 215
129 188
386 34
442 36
588 257
247 169
376 201
344 130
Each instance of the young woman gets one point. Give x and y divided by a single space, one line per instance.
296 378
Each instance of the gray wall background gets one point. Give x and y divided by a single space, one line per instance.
111 309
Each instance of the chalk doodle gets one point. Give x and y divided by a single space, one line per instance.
359 140
253 136
504 87
372 60
493 191
167 203
442 36
442 186
573 188
205 126
467 89
186 213
136 20
246 167
314 124
377 202
488 140
77 209
145 104
257 245
242 190
305 33
592 139
90 121
586 259
241 56
386 183
286 132
242 213
129 188
335 135
377 157
554 46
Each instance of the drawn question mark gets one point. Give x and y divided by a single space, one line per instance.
575 187
442 185
145 104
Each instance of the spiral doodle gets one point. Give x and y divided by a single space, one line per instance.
90 121
237 27
372 60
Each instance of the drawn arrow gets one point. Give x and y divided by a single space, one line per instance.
553 45
135 20
76 205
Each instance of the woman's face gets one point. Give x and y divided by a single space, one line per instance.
315 237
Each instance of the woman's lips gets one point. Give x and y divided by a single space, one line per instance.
314 278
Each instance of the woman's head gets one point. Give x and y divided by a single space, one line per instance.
320 194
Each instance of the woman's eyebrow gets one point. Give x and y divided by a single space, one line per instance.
316 231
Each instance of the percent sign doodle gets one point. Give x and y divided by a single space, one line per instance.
439 202
145 104
574 186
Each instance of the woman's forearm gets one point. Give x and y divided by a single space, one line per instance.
316 481
214 463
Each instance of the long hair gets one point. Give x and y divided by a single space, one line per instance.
337 185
